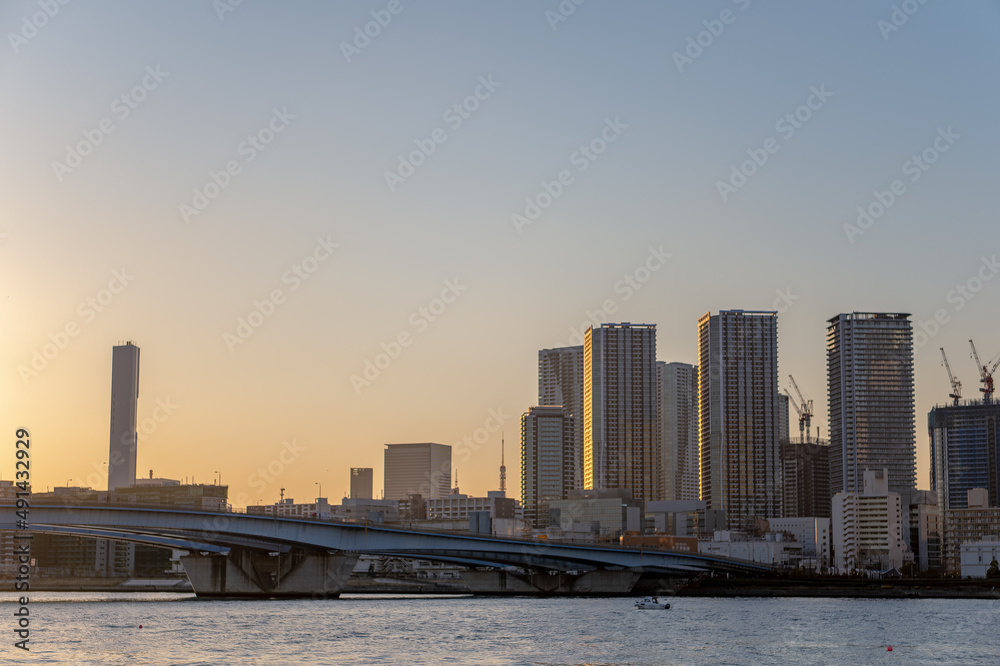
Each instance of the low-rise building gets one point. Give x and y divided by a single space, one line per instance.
610 513
977 556
287 508
773 549
868 527
812 533
683 518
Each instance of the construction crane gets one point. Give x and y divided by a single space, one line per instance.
985 374
798 409
805 413
956 385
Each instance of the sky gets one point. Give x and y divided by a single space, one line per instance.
332 226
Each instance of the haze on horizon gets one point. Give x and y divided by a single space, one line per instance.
236 162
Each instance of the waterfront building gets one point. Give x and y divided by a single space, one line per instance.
977 556
740 417
621 429
678 387
771 549
124 410
968 525
870 381
965 446
813 533
806 479
423 469
922 529
868 526
560 382
547 460
361 482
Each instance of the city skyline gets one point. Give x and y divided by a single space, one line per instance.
312 310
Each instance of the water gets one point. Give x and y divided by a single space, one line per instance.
95 628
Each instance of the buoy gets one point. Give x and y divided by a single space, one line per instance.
889 649
140 626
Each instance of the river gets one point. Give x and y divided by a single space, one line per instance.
98 628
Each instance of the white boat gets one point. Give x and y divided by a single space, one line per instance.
651 603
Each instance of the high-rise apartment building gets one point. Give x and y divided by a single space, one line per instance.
547 461
870 379
417 469
740 415
560 382
678 386
965 446
621 413
124 409
361 482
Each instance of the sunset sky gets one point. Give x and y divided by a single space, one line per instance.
168 169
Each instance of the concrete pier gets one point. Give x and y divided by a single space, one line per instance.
600 582
253 574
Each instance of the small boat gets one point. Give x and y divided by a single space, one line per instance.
651 603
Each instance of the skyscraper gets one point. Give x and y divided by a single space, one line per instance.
740 415
678 386
547 436
560 382
621 439
124 408
870 379
417 469
965 447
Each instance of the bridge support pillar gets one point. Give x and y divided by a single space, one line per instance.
253 574
600 582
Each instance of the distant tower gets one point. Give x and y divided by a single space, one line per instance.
503 469
124 407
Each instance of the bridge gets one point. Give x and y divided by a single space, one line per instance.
234 554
